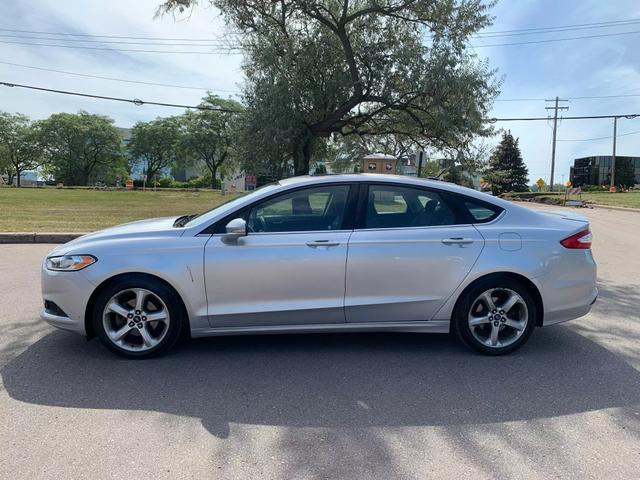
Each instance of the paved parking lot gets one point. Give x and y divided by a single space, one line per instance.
328 406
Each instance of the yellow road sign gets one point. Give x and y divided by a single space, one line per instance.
540 182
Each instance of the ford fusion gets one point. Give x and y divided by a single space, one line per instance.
327 254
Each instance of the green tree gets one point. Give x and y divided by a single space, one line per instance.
5 165
78 145
506 170
314 68
209 136
155 144
625 173
19 150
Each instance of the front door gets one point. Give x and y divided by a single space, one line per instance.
408 256
289 269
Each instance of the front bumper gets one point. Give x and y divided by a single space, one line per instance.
64 323
70 291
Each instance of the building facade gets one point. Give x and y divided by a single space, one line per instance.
596 170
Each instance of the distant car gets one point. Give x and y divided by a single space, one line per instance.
327 254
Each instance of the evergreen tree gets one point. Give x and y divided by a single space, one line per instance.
506 171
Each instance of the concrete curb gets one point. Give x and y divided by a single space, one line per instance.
610 207
35 237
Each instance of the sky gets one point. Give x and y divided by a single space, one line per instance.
599 66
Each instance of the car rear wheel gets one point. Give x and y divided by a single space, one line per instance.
138 317
496 316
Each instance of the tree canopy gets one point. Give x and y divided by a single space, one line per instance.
317 68
506 171
19 150
75 144
154 144
209 136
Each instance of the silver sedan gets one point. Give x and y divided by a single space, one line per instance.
327 254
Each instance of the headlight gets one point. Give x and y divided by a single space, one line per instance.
69 263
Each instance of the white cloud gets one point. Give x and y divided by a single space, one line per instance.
116 17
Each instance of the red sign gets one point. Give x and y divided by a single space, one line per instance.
129 183
250 181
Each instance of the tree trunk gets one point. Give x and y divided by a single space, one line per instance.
214 171
302 155
18 172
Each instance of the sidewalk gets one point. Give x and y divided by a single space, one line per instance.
35 237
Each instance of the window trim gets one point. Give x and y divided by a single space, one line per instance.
348 220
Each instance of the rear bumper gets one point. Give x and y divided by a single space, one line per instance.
570 313
568 288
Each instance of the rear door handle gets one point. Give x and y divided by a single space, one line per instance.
322 243
457 241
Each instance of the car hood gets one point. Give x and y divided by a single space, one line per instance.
154 227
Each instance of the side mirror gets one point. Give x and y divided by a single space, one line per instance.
236 228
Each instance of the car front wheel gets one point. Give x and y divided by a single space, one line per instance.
138 317
496 316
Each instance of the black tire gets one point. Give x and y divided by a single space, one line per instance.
460 324
163 291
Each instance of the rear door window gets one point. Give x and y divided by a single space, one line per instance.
391 206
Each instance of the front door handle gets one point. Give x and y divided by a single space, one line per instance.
322 243
457 241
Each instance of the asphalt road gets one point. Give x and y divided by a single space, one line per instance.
328 406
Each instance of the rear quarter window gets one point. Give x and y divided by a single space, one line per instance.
481 212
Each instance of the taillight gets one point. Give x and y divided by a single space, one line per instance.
579 240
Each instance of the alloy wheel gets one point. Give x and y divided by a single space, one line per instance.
136 319
498 317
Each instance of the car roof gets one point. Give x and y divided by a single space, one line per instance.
399 179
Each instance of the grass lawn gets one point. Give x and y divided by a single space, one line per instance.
59 210
621 199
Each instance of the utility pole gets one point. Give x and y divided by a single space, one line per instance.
612 187
555 109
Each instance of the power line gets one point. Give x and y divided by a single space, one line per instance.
186 87
139 102
550 40
559 28
597 138
73 37
135 101
584 97
581 117
227 50
118 79
519 100
119 42
491 33
107 36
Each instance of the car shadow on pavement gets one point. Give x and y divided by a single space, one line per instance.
330 380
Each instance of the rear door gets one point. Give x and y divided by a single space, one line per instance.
410 250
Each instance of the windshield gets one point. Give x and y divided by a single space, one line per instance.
229 205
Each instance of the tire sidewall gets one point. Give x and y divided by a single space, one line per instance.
461 325
168 296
